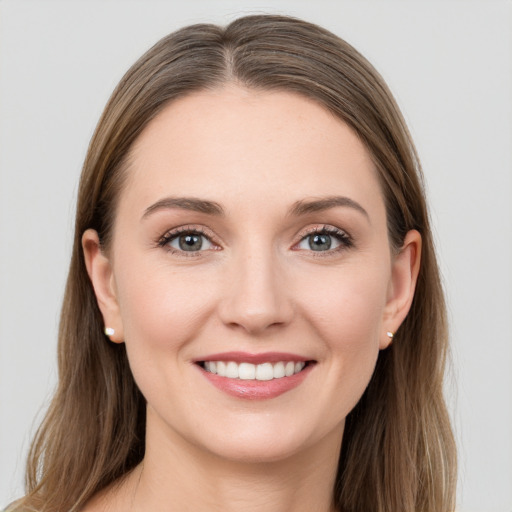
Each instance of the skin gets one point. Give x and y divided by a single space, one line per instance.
255 286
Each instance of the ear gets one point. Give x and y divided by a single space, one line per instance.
101 275
405 267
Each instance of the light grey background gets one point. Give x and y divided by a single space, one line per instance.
449 65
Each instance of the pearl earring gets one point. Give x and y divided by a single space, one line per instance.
109 331
390 335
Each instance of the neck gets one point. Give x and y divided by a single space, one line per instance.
177 476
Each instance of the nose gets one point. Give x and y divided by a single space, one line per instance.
257 297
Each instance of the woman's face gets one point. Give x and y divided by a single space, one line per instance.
251 231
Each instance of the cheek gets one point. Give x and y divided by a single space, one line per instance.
162 310
346 314
159 303
346 306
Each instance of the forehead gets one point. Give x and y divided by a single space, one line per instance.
236 144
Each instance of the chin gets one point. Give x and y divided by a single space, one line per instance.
258 440
259 449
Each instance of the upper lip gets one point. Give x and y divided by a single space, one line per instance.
246 357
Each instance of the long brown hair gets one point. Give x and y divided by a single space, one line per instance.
398 450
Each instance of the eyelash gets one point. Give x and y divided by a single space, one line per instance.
175 233
346 241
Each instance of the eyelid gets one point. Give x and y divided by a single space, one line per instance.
173 233
345 239
322 228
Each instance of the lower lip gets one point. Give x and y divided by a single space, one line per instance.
257 389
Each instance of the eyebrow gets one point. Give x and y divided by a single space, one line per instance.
299 208
185 203
304 207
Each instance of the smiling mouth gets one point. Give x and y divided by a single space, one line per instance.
248 371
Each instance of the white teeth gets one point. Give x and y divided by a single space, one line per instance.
232 370
248 371
221 368
279 370
264 371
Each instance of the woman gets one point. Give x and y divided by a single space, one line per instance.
253 316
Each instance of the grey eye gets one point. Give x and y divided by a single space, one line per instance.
319 242
190 242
